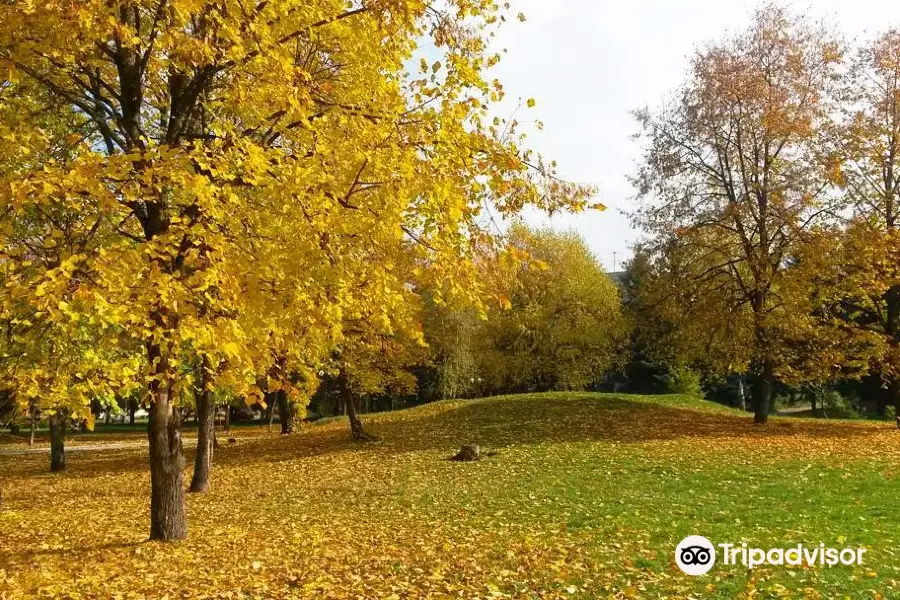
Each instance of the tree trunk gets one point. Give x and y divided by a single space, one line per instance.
762 391
351 407
33 425
57 441
762 396
285 413
270 411
167 516
215 419
351 402
131 410
206 436
227 419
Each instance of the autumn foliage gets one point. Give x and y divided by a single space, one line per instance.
216 193
275 206
769 187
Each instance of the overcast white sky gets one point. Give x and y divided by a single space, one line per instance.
588 63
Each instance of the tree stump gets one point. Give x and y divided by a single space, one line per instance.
468 453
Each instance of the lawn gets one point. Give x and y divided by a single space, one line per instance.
586 497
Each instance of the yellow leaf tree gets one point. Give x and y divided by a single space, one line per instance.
556 323
238 166
55 357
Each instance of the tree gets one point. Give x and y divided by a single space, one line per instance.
451 367
733 178
48 357
9 410
651 349
867 147
236 166
375 355
557 323
684 319
57 363
369 366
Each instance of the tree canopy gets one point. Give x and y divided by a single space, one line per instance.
223 186
556 323
733 180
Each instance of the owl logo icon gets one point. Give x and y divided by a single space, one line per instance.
695 555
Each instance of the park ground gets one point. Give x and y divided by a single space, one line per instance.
586 497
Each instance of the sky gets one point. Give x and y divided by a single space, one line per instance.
589 63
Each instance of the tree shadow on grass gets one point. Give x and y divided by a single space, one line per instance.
496 423
80 464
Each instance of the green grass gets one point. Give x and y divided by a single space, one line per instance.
657 500
670 466
587 497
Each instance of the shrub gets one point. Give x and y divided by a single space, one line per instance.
683 380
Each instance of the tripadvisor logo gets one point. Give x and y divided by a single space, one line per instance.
696 555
